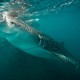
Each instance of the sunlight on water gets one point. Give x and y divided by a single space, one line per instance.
27 11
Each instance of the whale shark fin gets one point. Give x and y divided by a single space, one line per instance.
33 23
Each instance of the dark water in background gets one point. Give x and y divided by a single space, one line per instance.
63 25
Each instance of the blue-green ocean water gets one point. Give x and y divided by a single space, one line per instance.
63 25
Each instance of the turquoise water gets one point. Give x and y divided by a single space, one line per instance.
62 25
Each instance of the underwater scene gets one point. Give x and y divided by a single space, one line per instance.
39 39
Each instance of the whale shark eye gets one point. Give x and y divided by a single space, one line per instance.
12 22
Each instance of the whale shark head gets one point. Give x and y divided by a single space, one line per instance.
6 26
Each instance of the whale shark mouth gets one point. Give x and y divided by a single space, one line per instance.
7 19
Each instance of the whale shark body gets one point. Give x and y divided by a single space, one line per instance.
33 41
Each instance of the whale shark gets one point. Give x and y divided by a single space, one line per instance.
31 40
35 42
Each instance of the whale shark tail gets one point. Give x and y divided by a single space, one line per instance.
70 60
77 68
